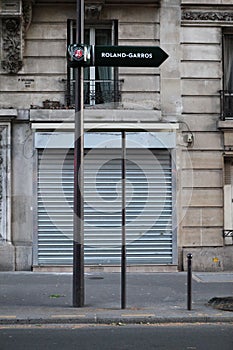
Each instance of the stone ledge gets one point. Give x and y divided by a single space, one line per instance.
23 258
8 114
96 115
7 257
225 124
209 259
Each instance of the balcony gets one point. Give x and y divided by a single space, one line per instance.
225 124
226 105
97 93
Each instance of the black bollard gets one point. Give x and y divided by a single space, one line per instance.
189 281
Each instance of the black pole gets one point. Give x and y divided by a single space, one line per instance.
78 233
123 211
189 281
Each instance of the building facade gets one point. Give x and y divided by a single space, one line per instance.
177 120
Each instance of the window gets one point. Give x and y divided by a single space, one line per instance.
100 83
227 93
228 62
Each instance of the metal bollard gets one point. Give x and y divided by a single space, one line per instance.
189 281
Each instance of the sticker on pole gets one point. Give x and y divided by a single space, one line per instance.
79 55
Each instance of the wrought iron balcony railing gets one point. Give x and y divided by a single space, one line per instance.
226 104
96 93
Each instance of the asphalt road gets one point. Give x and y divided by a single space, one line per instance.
117 337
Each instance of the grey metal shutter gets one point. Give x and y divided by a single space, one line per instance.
148 211
54 209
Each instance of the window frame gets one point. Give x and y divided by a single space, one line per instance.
226 33
92 26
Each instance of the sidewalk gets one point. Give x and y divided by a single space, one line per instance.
36 298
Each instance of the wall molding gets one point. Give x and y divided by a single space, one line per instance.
4 182
213 16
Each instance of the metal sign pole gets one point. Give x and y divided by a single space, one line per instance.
78 233
80 55
123 213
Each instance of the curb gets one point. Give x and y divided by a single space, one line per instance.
119 320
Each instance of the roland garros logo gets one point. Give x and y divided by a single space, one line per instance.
78 53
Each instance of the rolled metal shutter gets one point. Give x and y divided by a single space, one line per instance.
54 209
148 211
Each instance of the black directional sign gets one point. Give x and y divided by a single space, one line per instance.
115 56
129 56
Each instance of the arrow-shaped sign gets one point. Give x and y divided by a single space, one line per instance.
129 56
115 56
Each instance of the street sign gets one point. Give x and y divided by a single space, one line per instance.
129 56
116 56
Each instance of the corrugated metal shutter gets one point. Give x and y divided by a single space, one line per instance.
54 211
102 211
148 212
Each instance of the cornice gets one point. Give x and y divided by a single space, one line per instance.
213 16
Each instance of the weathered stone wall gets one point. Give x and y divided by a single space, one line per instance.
43 75
202 170
184 90
7 252
22 195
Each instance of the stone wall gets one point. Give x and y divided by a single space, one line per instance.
184 90
43 74
202 170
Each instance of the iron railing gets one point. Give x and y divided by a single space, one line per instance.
226 104
96 93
